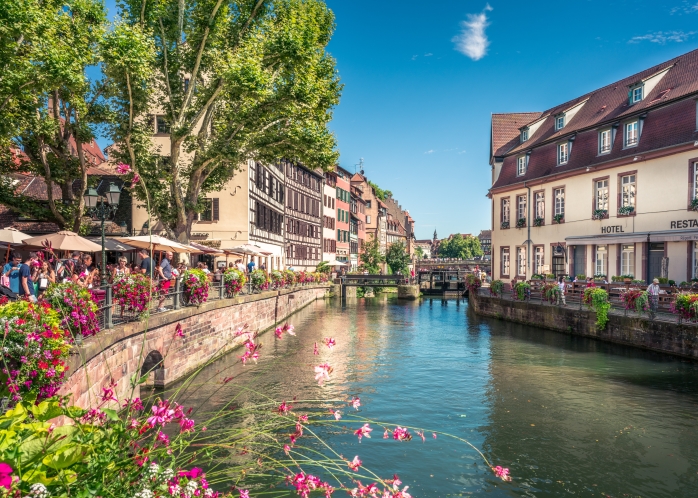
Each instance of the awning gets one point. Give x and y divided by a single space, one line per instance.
629 238
111 244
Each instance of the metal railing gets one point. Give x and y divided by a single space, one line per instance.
575 295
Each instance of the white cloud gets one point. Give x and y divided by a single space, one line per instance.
472 40
428 55
430 151
662 37
414 57
685 8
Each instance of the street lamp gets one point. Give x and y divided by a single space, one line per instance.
102 211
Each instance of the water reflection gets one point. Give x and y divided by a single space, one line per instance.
567 415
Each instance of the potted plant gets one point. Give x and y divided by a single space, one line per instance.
505 225
581 276
521 223
694 204
558 218
538 222
550 276
599 214
626 210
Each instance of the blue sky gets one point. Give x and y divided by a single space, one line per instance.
420 85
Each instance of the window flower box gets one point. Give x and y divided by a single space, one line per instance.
626 210
694 204
558 218
505 225
538 222
599 214
521 223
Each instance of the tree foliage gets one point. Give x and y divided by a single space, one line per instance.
370 258
49 106
236 80
460 247
398 258
380 193
419 252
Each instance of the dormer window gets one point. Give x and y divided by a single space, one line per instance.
636 94
524 134
520 165
563 153
560 122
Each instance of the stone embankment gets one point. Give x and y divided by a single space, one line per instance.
117 355
631 330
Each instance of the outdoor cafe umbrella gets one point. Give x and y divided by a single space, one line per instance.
64 241
112 245
11 236
246 249
157 243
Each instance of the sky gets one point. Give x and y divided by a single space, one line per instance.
421 80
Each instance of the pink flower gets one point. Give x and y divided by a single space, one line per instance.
178 330
315 350
421 434
186 425
162 414
288 328
322 373
502 473
365 430
5 476
433 434
191 474
287 448
284 408
329 342
107 395
123 169
386 434
337 414
136 178
355 464
400 434
278 332
244 493
355 402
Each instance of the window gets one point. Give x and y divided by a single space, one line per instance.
521 261
631 134
524 135
540 205
636 94
368 218
162 125
627 260
521 207
505 261
210 210
601 259
521 166
601 194
559 194
368 205
506 207
605 142
627 192
560 122
539 260
695 180
563 153
695 260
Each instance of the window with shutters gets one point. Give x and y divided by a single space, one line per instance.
210 211
162 126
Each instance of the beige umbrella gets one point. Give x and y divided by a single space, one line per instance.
64 241
206 249
157 243
12 236
246 249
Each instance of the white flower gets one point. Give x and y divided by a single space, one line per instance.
167 474
145 493
153 470
175 490
38 490
208 492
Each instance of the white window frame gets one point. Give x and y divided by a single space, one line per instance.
563 153
539 252
605 148
506 261
634 127
637 94
559 201
520 207
601 188
524 134
601 260
559 122
506 210
520 165
520 261
540 204
628 190
627 259
368 218
695 180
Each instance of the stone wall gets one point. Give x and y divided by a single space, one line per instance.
117 355
665 337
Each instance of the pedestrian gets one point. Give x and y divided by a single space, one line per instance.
653 295
11 272
250 266
146 266
240 266
43 276
67 271
562 287
164 276
121 270
26 286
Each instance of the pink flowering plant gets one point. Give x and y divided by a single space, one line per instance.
234 280
133 293
196 286
76 307
35 350
260 280
289 278
277 279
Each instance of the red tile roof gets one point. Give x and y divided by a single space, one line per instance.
505 130
670 120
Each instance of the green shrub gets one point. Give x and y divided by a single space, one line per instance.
597 299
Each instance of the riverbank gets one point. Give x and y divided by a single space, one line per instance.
637 331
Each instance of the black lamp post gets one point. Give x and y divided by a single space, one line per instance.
102 208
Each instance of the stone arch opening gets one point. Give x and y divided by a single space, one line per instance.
154 364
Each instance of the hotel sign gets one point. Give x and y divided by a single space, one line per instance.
613 229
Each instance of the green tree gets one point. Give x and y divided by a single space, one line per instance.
50 108
380 193
419 252
236 80
460 247
398 258
370 258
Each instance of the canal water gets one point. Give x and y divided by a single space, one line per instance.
568 416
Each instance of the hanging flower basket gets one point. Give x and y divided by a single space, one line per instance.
277 279
195 285
521 223
626 210
75 306
558 218
234 280
133 293
259 280
505 225
289 278
694 204
599 214
538 222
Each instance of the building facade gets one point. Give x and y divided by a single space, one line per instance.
329 217
357 225
304 226
267 193
485 239
343 203
605 184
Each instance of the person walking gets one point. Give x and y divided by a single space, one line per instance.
250 266
43 275
146 266
11 271
26 286
121 270
562 288
653 295
165 276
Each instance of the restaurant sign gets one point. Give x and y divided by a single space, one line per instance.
684 224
